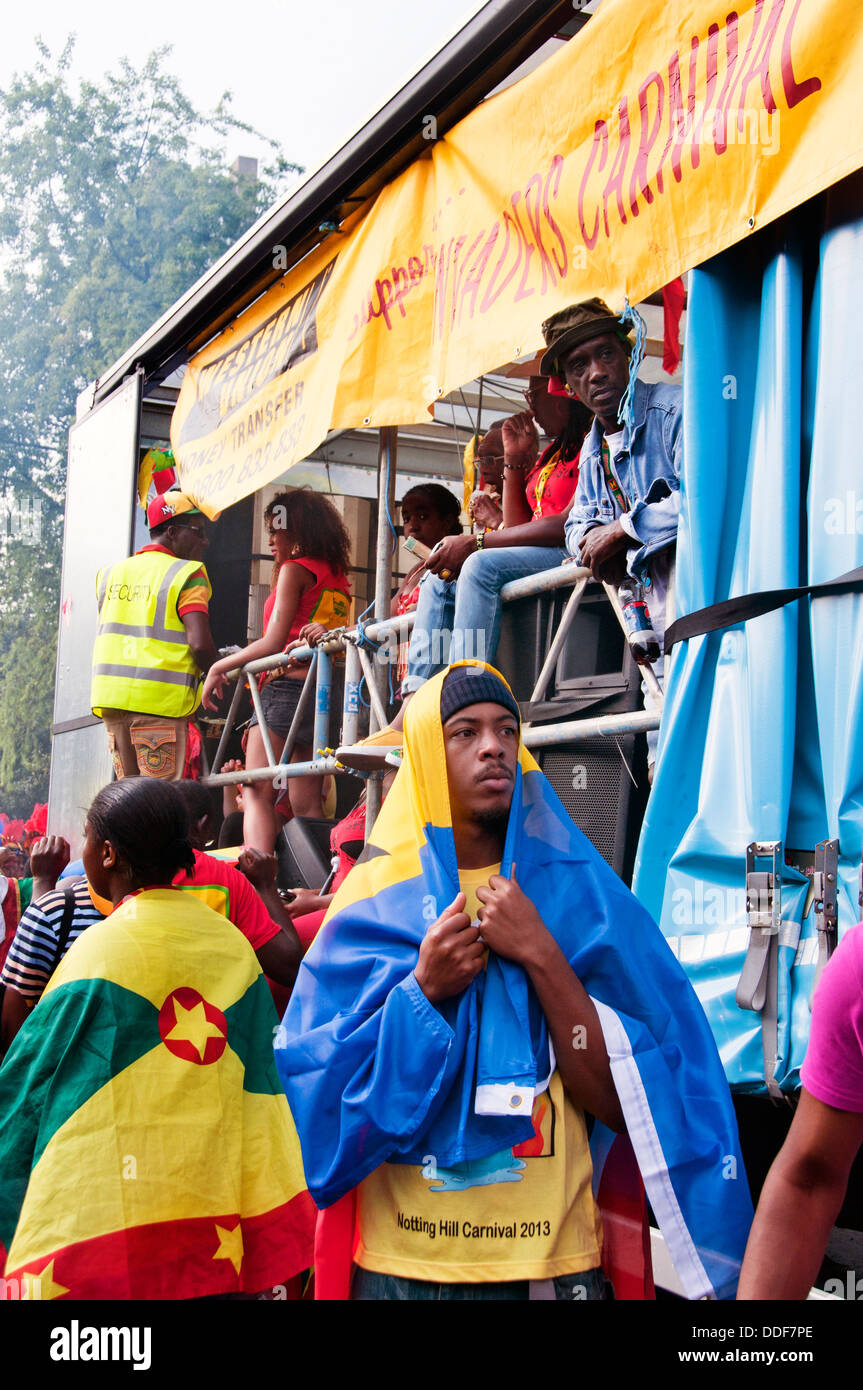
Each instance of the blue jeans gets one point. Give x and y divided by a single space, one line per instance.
459 619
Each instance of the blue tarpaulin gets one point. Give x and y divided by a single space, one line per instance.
761 728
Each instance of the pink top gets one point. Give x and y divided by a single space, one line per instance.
833 1069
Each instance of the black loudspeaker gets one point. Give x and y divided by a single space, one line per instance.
601 781
303 853
229 566
592 779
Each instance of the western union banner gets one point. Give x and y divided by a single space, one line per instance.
657 137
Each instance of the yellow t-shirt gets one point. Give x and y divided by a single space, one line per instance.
523 1213
471 879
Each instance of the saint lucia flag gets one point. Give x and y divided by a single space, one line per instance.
376 1074
146 1147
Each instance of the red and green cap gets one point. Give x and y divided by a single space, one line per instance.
168 506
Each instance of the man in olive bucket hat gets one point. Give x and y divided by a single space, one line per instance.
623 518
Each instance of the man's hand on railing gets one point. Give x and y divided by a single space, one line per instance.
603 552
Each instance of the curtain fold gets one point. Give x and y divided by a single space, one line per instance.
724 773
830 718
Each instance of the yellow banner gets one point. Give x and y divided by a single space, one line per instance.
625 159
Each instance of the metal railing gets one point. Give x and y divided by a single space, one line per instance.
362 644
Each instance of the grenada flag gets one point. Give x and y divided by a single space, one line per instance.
146 1147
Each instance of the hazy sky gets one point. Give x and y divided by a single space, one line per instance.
305 72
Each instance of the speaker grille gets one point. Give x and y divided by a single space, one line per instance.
594 786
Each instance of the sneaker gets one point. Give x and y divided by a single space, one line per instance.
370 754
394 758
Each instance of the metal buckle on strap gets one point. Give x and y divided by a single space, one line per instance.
825 902
757 986
764 890
764 918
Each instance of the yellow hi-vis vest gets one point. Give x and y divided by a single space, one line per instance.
141 659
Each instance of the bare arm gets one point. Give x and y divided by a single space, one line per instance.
260 869
547 530
511 926
307 900
229 791
280 956
200 639
516 508
521 449
292 583
454 550
800 1201
15 1010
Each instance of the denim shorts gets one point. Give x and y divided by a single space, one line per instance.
279 700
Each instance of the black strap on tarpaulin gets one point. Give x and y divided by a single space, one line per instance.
739 610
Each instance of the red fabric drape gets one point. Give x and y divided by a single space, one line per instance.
673 302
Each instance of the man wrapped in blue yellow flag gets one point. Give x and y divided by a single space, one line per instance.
484 991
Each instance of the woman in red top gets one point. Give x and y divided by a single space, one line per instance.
311 553
538 487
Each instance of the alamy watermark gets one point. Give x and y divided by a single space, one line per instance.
20 518
740 126
843 516
850 1288
434 646
716 906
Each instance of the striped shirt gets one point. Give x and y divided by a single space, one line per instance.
32 956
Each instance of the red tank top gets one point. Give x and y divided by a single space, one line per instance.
550 485
327 602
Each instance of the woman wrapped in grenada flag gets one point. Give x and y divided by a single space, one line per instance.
374 1078
146 1147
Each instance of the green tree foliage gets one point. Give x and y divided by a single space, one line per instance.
114 198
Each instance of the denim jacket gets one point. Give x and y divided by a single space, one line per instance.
649 473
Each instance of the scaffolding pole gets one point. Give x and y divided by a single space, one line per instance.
384 558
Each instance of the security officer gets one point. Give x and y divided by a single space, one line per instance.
154 643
